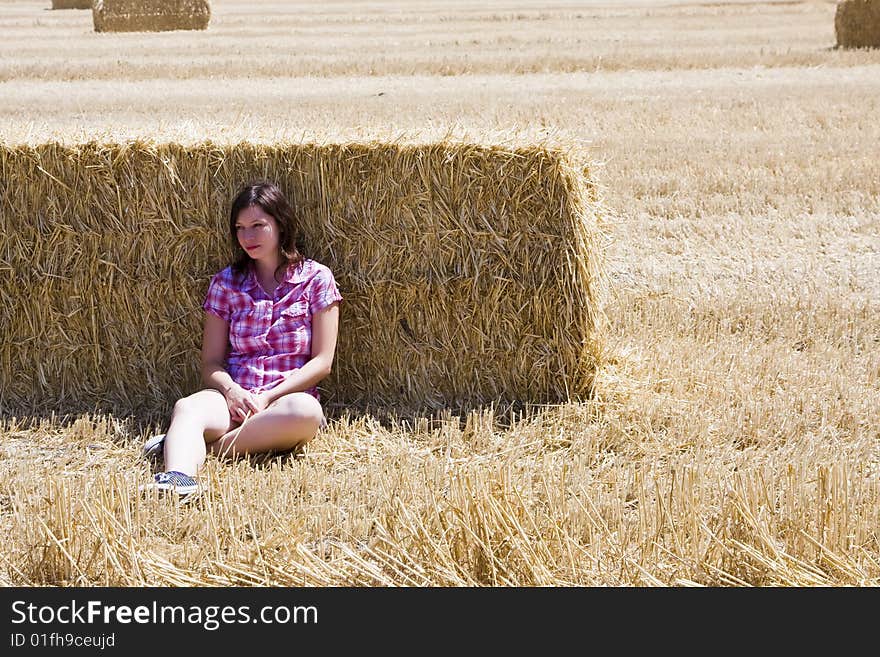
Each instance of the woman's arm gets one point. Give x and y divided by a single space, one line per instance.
215 338
325 329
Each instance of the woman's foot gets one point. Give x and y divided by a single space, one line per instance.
155 446
176 482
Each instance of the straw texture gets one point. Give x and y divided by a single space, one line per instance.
857 24
471 274
150 15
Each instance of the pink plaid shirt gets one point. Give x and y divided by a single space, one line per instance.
270 337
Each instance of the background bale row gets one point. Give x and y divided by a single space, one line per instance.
471 274
150 15
857 24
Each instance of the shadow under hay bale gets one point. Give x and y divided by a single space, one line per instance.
72 4
471 274
857 24
150 15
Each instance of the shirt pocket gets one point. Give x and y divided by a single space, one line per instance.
244 327
296 315
294 328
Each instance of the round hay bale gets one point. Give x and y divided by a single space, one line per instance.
72 4
857 24
150 15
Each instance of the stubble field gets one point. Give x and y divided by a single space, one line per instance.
735 435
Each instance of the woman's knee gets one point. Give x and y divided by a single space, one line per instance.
200 404
300 406
186 406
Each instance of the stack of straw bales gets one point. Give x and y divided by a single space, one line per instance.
150 15
471 274
857 24
72 4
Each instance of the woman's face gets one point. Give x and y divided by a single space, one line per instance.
257 233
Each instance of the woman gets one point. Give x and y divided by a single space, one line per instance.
270 331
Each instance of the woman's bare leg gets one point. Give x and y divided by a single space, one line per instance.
202 417
290 421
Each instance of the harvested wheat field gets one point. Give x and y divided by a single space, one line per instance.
672 210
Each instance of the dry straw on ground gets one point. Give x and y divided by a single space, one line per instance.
471 274
857 24
150 15
558 498
72 4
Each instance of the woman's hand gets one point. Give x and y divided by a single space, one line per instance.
242 403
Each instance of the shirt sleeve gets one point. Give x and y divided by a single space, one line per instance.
217 299
324 291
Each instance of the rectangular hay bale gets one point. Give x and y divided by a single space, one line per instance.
150 15
857 24
471 273
72 4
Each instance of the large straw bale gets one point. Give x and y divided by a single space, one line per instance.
471 273
857 24
72 4
150 15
